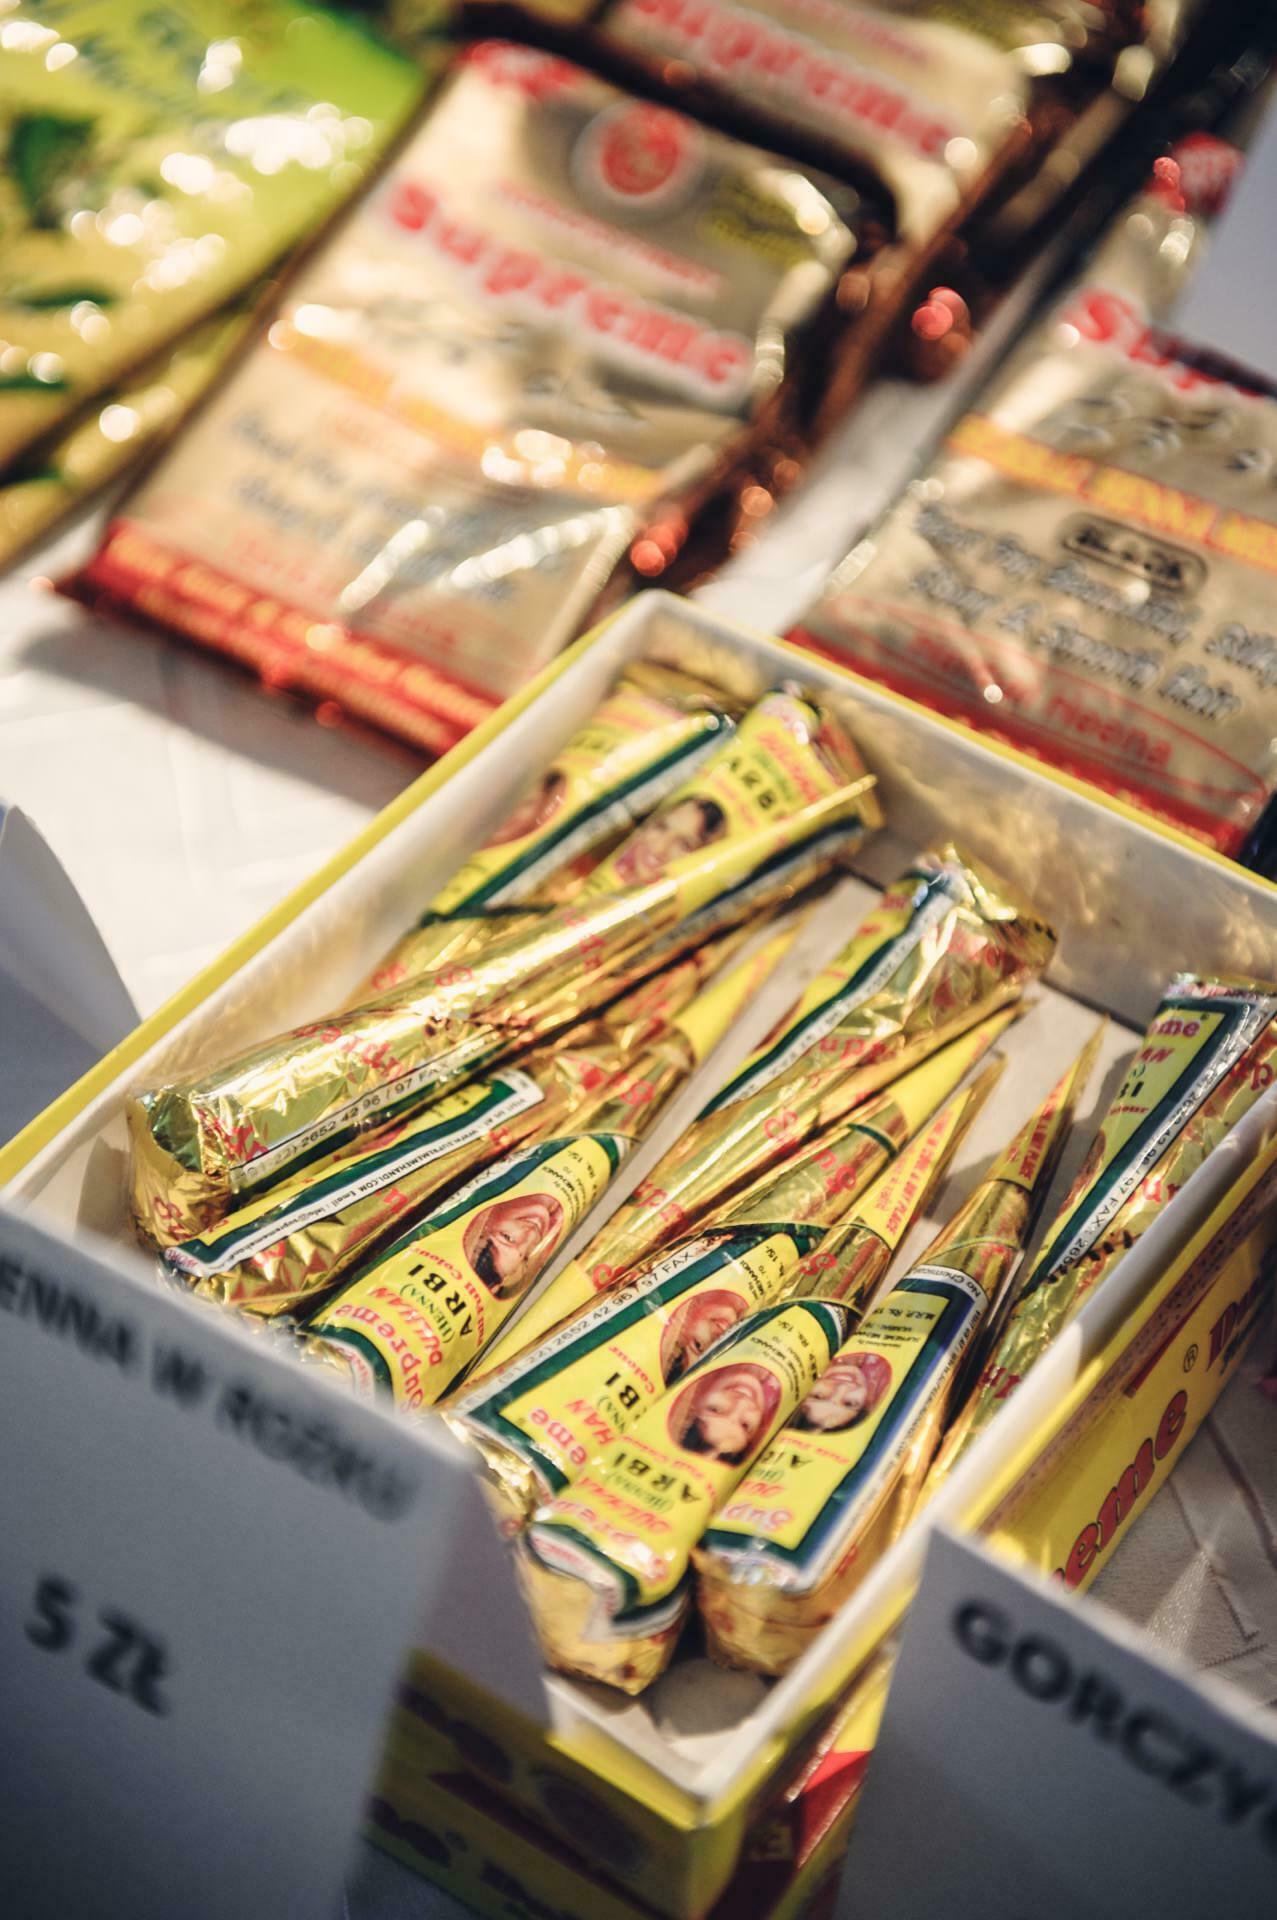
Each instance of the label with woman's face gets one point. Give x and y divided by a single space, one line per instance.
300 1237
557 1406
811 1497
420 1314
634 750
774 765
629 1523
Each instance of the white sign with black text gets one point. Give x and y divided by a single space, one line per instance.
1037 1761
210 1569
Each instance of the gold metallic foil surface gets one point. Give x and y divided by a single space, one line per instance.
786 1548
640 744
924 96
605 1564
844 1159
286 1102
412 1321
543 1417
945 946
285 1250
559 307
852 1260
1209 1053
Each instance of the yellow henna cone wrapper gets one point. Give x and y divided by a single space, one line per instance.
641 743
605 1564
850 1263
412 1321
540 1419
831 1493
292 1099
282 1252
1209 1053
944 948
746 1142
941 936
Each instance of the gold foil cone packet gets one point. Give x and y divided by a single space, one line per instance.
835 1487
641 742
1208 1054
605 1564
288 1100
594 1083
541 1419
944 947
851 1261
829 1173
412 1321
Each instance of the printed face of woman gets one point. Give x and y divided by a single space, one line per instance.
536 808
838 1398
659 842
511 1240
730 1412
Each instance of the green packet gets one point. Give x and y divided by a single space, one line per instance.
109 435
156 157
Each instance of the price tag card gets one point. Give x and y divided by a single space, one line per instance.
211 1567
1037 1762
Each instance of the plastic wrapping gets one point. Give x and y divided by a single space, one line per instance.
160 156
1086 569
415 491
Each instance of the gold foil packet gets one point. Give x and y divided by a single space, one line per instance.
605 1564
783 1553
283 1251
643 741
851 1262
294 1098
412 1322
923 100
946 945
561 306
1209 1053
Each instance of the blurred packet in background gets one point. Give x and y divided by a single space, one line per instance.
1086 569
116 429
159 158
560 304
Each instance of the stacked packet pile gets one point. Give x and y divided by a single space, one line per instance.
555 995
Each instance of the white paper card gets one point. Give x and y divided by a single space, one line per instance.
210 1571
62 1003
1035 1763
